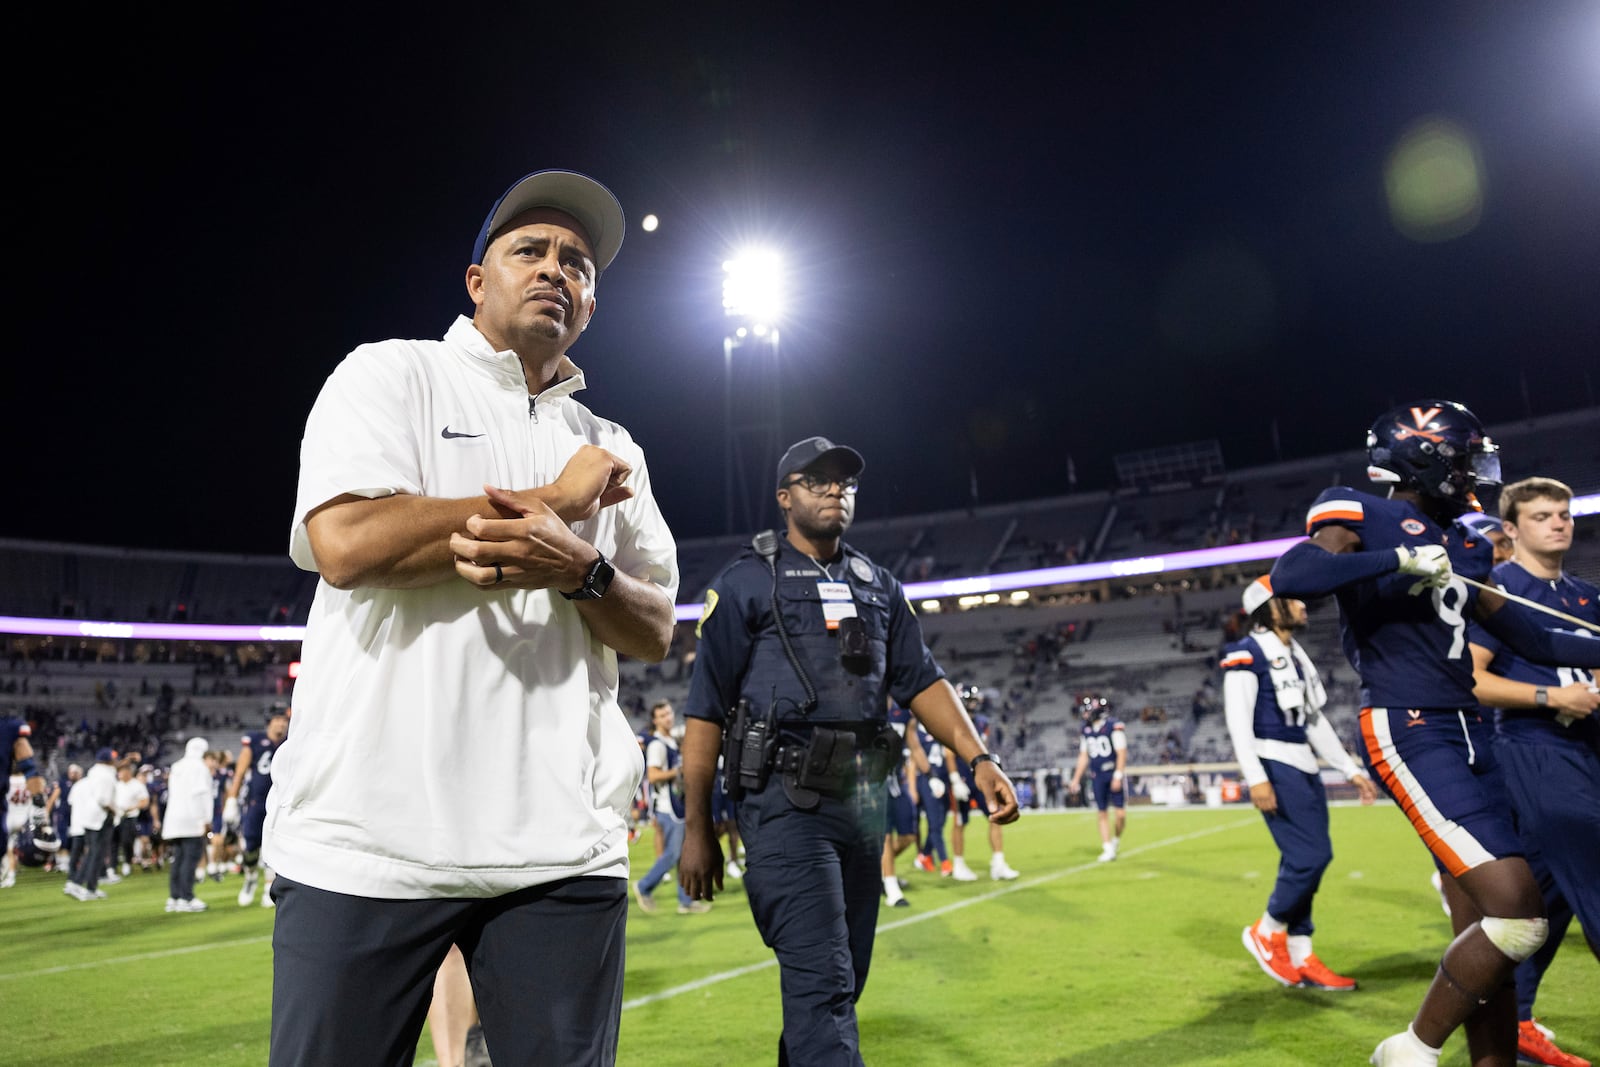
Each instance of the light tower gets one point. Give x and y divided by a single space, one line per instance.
752 301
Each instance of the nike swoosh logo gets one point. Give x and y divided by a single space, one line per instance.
450 435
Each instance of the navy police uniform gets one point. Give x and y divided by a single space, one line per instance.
812 858
1411 654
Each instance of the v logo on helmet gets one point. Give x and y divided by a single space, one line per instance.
1422 420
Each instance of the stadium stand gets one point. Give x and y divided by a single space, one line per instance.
1149 642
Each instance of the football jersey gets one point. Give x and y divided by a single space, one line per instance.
1567 594
18 805
1100 739
900 719
259 784
1269 721
1409 651
219 789
937 767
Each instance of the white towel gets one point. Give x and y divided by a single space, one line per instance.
1295 689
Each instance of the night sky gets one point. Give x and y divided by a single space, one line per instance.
1010 240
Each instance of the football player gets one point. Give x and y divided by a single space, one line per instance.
933 800
253 777
1396 566
966 798
902 789
16 759
1547 739
1103 752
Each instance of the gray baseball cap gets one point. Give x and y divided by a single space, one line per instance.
579 195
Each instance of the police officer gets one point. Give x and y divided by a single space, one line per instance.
802 640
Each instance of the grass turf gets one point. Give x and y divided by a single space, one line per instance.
1075 964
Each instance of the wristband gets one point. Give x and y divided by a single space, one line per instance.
986 757
1541 696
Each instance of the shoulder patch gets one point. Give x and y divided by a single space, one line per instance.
1334 511
705 612
1416 528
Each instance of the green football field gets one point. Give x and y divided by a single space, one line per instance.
1076 964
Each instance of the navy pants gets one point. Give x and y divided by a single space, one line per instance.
1300 829
186 852
1554 792
813 878
935 810
91 862
352 977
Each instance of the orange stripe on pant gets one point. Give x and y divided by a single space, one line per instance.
1380 757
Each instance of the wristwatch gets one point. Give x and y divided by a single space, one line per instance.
986 757
1541 696
596 582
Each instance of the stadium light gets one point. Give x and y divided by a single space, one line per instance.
752 302
752 287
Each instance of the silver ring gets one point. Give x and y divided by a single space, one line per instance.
499 575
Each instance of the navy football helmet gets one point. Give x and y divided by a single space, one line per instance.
35 846
1092 705
1436 448
972 697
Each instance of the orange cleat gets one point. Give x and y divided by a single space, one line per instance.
924 862
946 868
1314 974
1534 1046
1271 951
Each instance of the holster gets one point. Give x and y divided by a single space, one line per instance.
822 765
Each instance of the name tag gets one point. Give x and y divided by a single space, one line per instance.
834 610
833 590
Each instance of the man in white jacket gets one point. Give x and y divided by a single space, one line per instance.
187 821
93 803
487 547
1273 698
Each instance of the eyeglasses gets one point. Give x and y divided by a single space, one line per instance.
818 484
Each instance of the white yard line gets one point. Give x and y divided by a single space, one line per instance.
965 902
699 983
143 957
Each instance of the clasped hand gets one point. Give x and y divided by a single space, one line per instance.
528 542
1430 563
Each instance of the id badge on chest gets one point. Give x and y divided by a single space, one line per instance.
837 603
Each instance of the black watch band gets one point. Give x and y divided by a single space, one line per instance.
596 582
987 757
